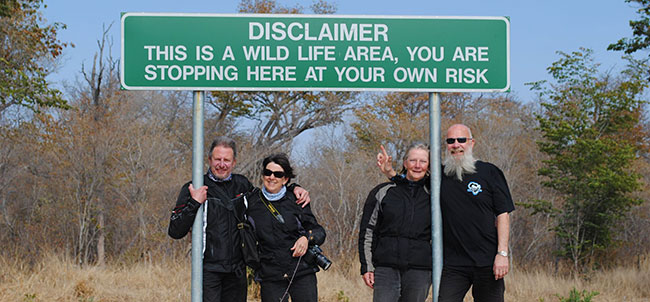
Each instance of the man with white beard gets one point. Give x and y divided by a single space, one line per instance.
475 202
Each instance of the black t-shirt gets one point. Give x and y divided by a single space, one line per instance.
469 209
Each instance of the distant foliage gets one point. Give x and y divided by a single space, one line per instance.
394 119
591 135
640 30
27 49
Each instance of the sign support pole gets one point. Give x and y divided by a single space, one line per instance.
434 166
197 182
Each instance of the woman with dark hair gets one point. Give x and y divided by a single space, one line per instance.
285 233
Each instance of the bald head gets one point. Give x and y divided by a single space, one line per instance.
458 158
459 139
461 129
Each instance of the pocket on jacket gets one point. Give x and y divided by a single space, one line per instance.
385 252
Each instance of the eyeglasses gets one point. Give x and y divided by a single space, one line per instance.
277 174
461 140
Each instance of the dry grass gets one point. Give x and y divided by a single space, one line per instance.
55 279
58 280
620 284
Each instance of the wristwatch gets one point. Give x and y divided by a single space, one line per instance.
502 253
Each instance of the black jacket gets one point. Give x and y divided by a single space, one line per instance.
276 239
396 226
222 241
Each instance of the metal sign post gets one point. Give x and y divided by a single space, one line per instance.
197 182
436 216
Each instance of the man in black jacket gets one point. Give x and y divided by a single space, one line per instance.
224 271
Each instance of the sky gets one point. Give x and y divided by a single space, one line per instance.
538 29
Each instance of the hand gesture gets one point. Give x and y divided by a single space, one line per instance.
385 163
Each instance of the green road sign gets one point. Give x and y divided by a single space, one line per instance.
314 52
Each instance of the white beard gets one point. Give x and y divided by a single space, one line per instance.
457 167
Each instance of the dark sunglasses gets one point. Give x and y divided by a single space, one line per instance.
277 174
461 140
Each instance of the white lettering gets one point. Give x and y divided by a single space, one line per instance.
227 54
151 72
468 75
471 54
271 73
315 73
252 35
296 31
363 74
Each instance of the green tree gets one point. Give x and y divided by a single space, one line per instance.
640 30
26 50
590 125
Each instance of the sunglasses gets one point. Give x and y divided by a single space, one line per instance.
461 140
277 174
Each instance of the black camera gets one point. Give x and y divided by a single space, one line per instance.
314 254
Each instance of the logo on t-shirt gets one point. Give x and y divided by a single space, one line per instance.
474 188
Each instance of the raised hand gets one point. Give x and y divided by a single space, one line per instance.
385 163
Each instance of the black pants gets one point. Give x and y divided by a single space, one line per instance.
394 285
302 289
456 281
224 287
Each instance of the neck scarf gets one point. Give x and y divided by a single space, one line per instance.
274 196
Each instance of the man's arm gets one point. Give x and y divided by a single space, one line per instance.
501 264
184 212
302 195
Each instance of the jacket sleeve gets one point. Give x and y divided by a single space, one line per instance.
248 186
315 232
183 214
367 236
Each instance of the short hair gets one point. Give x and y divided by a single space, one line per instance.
226 142
282 160
413 146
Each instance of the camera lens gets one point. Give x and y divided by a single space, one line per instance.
323 262
314 255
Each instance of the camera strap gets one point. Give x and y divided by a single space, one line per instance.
286 292
272 209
